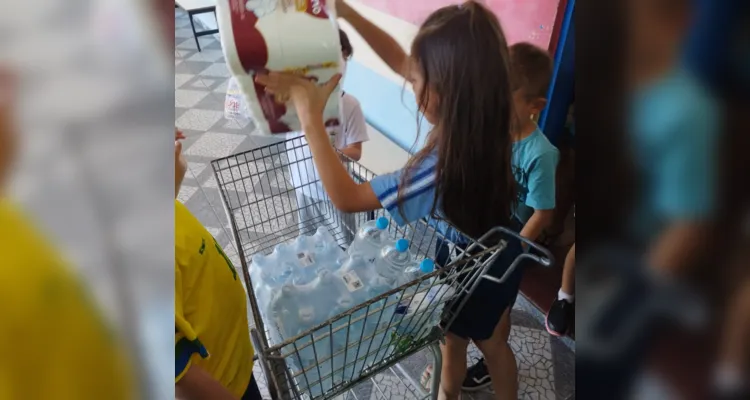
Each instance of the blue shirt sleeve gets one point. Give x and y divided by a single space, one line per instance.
541 184
418 195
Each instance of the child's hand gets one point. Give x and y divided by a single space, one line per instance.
308 97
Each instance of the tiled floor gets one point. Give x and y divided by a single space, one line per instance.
545 363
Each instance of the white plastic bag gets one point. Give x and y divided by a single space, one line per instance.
263 35
235 107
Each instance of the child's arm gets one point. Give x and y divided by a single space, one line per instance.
310 100
197 384
538 222
678 245
541 194
384 45
346 195
353 151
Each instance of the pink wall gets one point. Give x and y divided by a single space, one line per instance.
523 20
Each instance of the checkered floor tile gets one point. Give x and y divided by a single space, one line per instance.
545 363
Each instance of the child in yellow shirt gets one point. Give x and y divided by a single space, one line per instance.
54 342
213 352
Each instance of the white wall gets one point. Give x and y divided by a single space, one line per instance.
404 32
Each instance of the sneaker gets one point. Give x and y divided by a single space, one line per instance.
477 377
558 317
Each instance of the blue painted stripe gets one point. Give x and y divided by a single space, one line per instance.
412 180
388 107
561 89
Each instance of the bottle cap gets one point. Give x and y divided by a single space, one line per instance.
427 266
382 223
402 245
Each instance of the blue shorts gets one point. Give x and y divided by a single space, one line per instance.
482 312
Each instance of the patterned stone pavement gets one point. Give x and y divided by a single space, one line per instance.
545 363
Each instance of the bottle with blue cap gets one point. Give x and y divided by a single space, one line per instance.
393 260
414 271
370 239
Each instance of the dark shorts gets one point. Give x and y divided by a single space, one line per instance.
252 392
482 312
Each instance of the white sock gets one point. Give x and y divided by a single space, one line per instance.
728 378
570 298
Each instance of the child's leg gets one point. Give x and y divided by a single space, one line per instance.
569 274
454 366
500 360
558 321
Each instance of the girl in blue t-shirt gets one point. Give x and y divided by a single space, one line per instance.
458 68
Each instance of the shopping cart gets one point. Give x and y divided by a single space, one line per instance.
260 190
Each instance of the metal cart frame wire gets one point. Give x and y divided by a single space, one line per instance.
260 196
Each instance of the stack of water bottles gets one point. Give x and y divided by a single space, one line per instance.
306 282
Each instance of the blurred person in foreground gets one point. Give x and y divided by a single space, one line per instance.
54 342
668 164
674 130
213 352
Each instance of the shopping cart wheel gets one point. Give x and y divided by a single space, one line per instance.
255 338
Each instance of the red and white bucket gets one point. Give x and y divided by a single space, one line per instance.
280 35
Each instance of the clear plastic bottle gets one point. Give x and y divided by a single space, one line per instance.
370 239
364 284
258 266
393 260
326 250
416 271
298 308
304 260
268 274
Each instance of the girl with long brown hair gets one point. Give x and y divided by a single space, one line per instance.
458 68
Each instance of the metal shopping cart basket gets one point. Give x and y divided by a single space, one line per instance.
270 194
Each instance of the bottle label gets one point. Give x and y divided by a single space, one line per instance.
305 259
352 281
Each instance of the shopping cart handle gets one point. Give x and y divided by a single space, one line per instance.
543 261
546 259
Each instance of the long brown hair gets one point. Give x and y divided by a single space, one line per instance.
463 56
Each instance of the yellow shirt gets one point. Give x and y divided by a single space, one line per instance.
53 341
211 326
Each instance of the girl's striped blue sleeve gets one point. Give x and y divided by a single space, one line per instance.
417 196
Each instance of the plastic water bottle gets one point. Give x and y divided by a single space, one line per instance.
416 271
327 251
268 275
298 308
423 311
370 239
356 336
258 265
393 260
305 268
